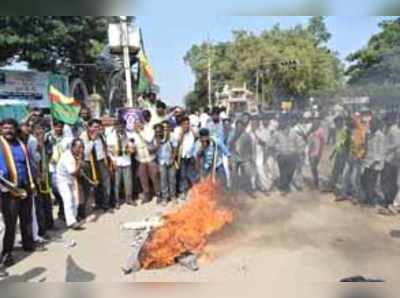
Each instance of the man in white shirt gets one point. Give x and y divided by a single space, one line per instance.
59 142
68 170
96 167
194 121
258 136
147 171
120 149
204 117
185 155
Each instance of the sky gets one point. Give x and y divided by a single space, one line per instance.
167 38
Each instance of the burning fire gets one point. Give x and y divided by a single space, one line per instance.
188 229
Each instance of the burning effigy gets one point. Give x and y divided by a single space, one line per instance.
185 233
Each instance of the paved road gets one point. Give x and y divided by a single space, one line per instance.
303 237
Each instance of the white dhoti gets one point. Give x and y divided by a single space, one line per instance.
271 171
70 197
225 161
396 201
35 226
261 180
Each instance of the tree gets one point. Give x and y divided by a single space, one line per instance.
52 43
379 61
318 29
237 61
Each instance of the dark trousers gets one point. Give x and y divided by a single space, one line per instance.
14 209
57 197
60 204
242 175
337 170
44 213
187 174
102 192
314 162
389 182
287 165
369 181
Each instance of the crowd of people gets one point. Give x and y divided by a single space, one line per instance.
90 166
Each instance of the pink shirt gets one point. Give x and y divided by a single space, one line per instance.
317 142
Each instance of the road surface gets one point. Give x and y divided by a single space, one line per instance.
302 237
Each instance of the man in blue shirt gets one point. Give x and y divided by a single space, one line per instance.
215 126
15 167
166 144
209 155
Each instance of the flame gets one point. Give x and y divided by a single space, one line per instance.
188 229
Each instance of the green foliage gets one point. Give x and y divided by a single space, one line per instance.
51 43
318 29
379 61
238 61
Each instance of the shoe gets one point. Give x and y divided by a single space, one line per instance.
147 199
3 272
383 211
159 200
393 209
117 206
126 271
55 228
77 226
39 248
341 199
40 240
46 237
7 260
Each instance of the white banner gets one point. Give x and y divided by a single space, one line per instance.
24 87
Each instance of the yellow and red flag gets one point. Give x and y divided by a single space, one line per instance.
63 108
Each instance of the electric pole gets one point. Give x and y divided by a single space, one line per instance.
127 62
209 78
257 87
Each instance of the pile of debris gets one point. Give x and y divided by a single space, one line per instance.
181 236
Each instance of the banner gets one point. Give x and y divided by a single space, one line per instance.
29 87
129 116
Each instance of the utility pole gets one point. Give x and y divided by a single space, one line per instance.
209 77
257 87
127 62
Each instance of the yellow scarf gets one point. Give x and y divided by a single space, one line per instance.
92 159
12 169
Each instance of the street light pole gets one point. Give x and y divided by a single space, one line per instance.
127 62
